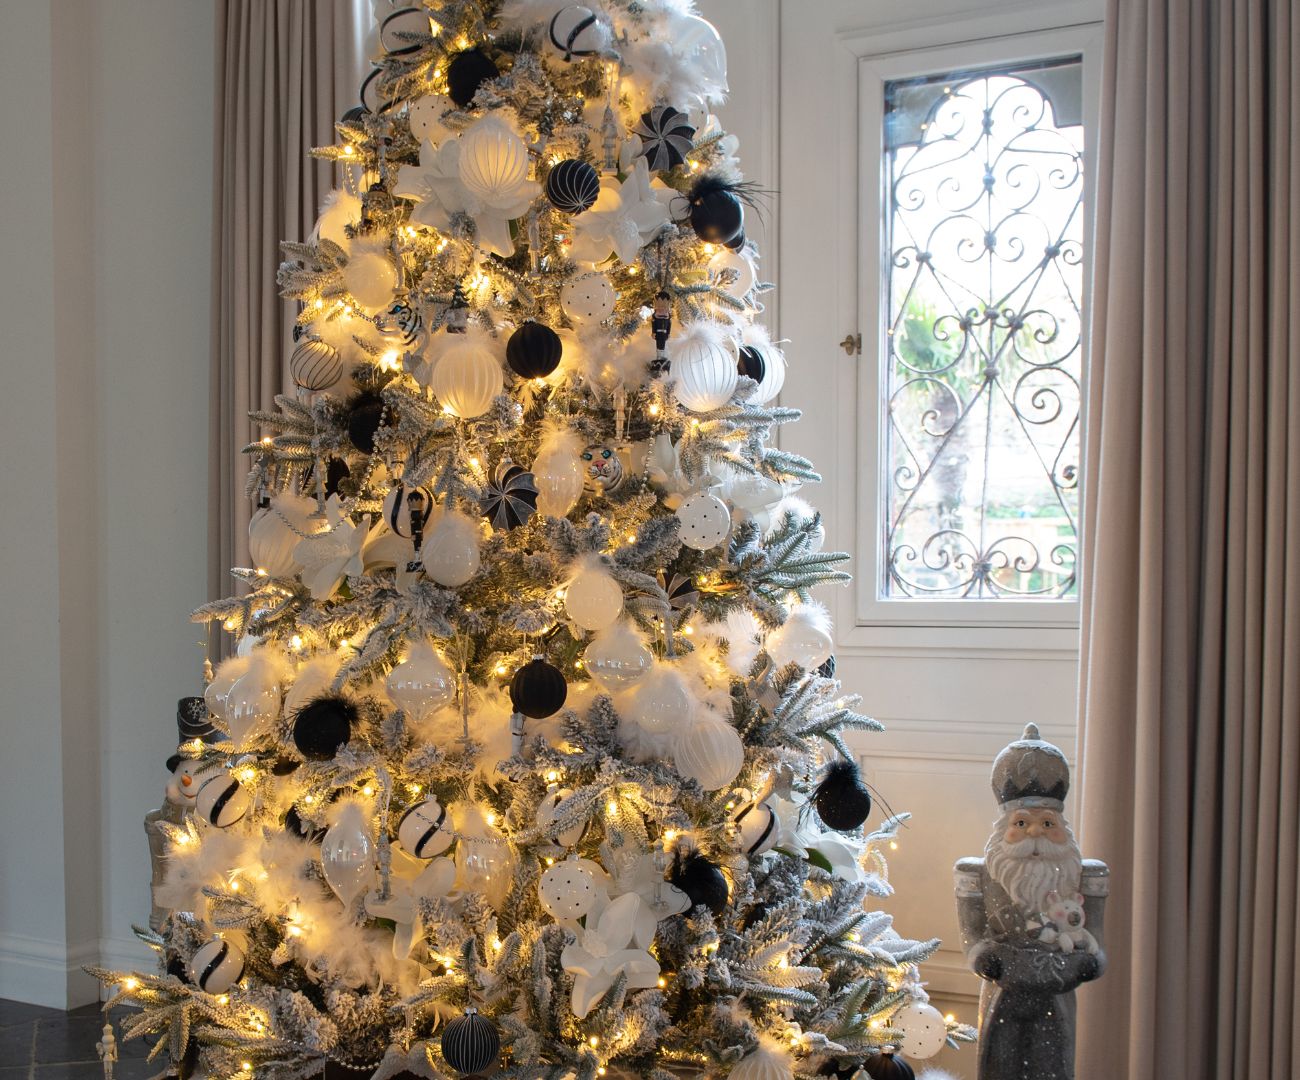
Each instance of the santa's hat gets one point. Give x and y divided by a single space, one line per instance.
1031 773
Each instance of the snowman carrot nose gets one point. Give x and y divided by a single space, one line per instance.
186 781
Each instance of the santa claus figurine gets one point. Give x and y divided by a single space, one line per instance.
1031 914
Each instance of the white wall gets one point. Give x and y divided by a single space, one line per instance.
104 300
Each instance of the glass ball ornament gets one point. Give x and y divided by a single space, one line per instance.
568 890
697 42
424 830
422 683
315 365
493 162
923 1028
617 658
466 379
483 863
589 298
216 966
450 553
732 272
709 751
217 693
370 277
804 639
547 812
593 599
704 370
659 702
222 800
347 855
254 701
559 472
705 521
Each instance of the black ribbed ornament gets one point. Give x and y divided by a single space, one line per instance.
468 71
323 725
842 799
538 689
888 1067
533 350
572 186
470 1043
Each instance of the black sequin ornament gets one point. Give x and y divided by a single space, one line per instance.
572 186
701 881
842 800
323 725
717 212
470 1043
511 496
534 350
751 363
666 137
888 1067
466 72
365 416
538 689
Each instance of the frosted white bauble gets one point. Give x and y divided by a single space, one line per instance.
274 531
216 966
593 599
924 1032
739 269
710 752
466 379
590 298
424 830
568 890
347 855
450 553
254 701
704 370
222 800
371 278
493 162
559 474
773 373
617 658
422 683
802 639
768 1061
217 692
659 702
705 521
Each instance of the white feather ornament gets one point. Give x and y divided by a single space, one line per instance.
767 1061
804 638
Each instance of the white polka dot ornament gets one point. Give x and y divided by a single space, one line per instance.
568 890
705 521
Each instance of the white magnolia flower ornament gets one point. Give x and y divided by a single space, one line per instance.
624 217
328 557
604 952
434 185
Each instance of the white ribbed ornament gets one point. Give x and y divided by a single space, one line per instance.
704 370
773 373
466 379
710 752
493 161
272 536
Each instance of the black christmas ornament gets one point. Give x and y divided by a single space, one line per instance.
886 1066
336 471
323 725
511 496
827 668
701 881
354 115
538 689
470 1043
572 186
682 591
751 363
176 967
666 137
842 800
365 416
193 721
717 208
533 350
294 823
736 242
466 72
285 766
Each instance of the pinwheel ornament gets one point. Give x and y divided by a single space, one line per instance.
511 496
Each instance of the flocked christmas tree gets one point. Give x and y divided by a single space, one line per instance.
531 756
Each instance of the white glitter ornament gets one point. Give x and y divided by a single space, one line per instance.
590 298
710 752
422 683
467 378
923 1028
617 658
593 599
568 890
705 521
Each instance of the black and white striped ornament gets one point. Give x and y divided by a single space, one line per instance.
315 365
470 1044
216 966
572 186
424 830
755 827
666 137
575 31
222 800
511 496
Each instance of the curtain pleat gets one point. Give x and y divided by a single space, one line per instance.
286 70
1190 727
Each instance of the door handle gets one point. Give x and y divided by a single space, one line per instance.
852 344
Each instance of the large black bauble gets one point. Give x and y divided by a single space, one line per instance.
470 1043
717 215
468 71
538 690
736 242
751 363
702 881
842 800
365 413
533 350
323 725
573 186
888 1067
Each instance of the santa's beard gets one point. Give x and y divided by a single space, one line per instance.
1031 869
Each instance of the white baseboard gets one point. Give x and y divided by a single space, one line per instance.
44 972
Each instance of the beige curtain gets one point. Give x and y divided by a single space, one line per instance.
286 71
1191 665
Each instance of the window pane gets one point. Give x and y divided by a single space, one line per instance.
984 350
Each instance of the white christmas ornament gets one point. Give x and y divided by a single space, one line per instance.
768 1061
222 800
422 683
575 30
704 370
924 1032
568 890
804 638
425 116
773 366
659 702
482 855
216 966
494 165
341 208
253 703
217 693
466 378
347 855
710 752
705 521
450 553
558 471
593 599
603 952
756 828
589 298
547 813
617 658
732 272
370 276
274 531
699 44
424 830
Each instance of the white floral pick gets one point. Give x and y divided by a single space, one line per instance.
330 556
602 953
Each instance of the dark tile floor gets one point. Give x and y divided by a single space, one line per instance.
47 1044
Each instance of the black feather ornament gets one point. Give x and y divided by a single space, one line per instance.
466 72
717 207
323 725
364 414
841 798
701 881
